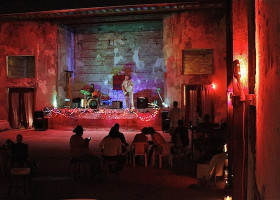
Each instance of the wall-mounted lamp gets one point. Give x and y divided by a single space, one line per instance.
214 86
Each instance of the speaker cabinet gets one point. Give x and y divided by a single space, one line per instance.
117 104
142 102
165 121
38 114
39 122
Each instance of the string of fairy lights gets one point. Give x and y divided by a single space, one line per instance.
77 113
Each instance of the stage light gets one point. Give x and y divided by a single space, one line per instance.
214 86
54 103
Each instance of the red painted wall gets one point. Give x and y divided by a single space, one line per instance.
268 95
240 38
195 30
29 38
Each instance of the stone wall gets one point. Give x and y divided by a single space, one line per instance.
65 62
104 51
195 30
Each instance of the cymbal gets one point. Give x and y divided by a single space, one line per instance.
85 92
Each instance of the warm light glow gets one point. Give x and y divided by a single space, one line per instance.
229 98
225 147
243 69
226 174
54 103
228 198
214 86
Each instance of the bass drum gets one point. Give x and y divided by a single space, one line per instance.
92 103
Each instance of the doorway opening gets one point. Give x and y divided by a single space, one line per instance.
198 101
21 107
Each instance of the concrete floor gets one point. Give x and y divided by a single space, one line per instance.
50 149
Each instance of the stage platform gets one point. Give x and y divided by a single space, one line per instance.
4 125
66 119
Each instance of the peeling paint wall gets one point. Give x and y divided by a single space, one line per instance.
268 95
65 62
195 30
29 38
134 48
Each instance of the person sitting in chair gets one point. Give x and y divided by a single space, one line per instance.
111 145
19 153
121 136
141 137
157 142
79 149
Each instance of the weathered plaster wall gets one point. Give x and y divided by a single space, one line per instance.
195 30
268 95
29 38
65 62
134 48
240 52
240 38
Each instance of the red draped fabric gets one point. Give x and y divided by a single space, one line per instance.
21 103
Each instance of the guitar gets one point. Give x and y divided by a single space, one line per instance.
128 88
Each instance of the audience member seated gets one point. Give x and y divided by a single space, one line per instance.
157 141
121 136
213 166
181 137
111 146
206 127
19 153
79 148
141 137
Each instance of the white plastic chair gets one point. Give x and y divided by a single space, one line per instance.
160 151
213 168
139 149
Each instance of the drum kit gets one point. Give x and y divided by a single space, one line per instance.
91 100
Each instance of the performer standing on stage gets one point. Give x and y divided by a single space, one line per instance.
127 87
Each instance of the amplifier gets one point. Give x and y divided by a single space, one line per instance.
142 102
117 104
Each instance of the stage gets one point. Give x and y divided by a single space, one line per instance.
65 119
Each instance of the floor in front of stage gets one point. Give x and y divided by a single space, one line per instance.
50 149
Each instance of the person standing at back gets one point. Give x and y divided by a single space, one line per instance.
175 114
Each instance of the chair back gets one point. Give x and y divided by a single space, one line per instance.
140 147
164 149
20 155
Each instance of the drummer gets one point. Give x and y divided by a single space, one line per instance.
94 93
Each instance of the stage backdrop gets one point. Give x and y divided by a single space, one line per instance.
102 51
